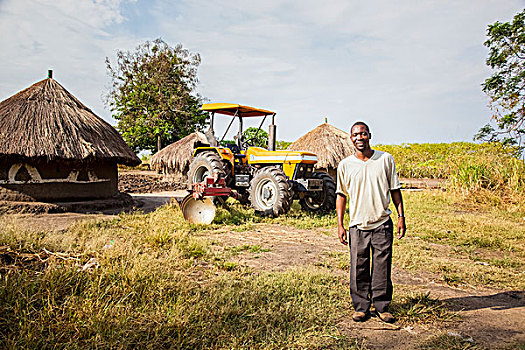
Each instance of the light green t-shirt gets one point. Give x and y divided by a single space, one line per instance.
367 186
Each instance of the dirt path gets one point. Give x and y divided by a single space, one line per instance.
491 318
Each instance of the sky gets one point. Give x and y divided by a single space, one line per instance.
411 69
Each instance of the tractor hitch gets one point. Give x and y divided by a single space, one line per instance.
197 207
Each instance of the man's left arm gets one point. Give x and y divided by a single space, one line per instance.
398 202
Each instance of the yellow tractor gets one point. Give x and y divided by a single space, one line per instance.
268 179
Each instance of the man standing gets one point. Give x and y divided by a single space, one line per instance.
367 179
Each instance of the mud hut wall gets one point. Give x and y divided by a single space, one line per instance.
57 180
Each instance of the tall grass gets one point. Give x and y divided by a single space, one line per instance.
157 284
487 173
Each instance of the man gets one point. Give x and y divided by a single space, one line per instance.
366 180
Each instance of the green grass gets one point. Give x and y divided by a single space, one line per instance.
247 248
486 173
440 160
478 248
244 218
421 308
160 284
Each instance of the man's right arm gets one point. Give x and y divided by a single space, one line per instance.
340 206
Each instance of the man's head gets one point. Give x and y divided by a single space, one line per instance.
360 135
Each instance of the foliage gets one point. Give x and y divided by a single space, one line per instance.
152 96
282 144
440 160
256 137
506 87
486 175
279 145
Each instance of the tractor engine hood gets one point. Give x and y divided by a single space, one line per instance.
261 155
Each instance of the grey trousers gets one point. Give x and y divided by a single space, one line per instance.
371 283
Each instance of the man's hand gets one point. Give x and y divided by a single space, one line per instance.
343 235
340 206
401 227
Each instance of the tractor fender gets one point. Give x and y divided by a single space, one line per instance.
223 152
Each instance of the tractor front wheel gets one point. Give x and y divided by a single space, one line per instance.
270 192
206 164
320 201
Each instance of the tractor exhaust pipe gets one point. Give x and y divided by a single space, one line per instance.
272 135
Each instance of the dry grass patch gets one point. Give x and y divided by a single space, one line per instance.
155 283
482 248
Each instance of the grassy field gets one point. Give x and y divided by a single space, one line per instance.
487 174
154 281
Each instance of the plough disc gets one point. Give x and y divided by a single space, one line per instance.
198 211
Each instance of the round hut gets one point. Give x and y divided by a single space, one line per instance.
175 159
329 143
52 147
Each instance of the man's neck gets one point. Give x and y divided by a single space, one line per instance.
365 154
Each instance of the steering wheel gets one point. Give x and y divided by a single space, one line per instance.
247 143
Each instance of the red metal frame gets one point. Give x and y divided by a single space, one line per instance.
210 187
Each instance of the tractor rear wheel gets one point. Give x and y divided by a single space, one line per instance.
206 164
270 192
320 201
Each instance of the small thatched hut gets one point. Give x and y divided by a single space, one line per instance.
329 143
52 147
175 159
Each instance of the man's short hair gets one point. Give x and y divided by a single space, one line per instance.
360 123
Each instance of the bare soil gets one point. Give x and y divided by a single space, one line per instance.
147 181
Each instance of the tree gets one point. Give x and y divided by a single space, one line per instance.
261 140
506 87
152 94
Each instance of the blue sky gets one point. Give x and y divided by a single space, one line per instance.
411 69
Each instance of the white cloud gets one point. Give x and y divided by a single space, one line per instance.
412 69
69 37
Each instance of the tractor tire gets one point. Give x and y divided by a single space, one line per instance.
206 164
320 202
270 192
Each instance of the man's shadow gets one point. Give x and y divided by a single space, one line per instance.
499 301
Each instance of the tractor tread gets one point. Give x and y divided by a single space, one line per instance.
328 201
284 200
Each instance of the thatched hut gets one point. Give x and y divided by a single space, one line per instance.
329 143
175 159
52 147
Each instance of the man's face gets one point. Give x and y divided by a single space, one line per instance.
360 137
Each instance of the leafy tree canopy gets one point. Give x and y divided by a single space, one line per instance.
254 138
506 87
152 94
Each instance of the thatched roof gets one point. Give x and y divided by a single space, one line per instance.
45 122
176 158
329 143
